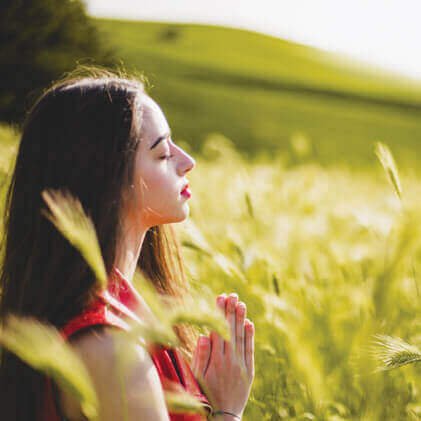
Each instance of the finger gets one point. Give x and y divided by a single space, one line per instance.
249 346
221 296
195 357
221 304
231 305
239 330
217 347
203 354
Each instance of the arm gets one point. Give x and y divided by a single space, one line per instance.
134 394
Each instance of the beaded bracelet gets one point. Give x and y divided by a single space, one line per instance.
227 413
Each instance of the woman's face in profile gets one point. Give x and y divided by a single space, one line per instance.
160 172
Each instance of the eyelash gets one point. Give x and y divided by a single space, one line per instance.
166 157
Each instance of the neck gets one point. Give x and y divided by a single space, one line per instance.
128 251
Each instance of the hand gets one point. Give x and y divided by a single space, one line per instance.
225 369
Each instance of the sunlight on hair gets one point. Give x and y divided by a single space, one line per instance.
41 347
87 72
70 219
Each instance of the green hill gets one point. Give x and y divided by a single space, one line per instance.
259 90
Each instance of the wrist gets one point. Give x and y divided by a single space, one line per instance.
220 415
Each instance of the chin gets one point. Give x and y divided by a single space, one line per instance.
182 218
183 215
174 219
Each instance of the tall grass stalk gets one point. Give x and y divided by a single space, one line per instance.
388 162
68 216
392 352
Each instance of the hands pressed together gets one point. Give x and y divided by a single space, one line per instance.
226 368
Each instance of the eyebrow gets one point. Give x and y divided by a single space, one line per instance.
165 136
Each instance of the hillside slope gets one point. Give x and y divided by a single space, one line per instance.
259 90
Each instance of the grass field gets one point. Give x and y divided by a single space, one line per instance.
260 91
324 258
303 223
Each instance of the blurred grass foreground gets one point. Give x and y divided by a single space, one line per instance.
328 261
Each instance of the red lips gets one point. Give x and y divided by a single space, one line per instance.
186 192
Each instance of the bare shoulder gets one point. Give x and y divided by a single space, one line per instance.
124 376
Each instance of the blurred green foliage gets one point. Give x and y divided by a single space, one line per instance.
329 257
39 41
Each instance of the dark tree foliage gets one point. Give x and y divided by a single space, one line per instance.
39 41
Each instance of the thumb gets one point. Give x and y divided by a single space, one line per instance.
201 356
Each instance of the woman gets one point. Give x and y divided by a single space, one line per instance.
103 139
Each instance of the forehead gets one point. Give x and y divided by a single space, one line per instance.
154 123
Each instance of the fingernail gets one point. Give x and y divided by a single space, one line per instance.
241 308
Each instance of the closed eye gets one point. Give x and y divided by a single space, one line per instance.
166 157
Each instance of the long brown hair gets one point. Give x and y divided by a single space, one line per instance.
81 135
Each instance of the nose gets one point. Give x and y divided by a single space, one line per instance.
187 162
191 163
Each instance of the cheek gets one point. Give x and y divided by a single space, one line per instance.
154 189
152 186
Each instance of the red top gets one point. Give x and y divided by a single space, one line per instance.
118 302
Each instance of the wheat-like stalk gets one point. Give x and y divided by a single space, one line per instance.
183 402
386 159
67 214
392 352
163 312
196 310
249 204
41 347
